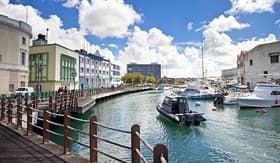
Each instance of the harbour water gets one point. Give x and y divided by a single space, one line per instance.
230 134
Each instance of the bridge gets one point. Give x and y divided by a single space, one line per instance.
22 115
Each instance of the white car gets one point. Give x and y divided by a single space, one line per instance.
25 90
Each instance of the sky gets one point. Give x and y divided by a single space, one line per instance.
169 32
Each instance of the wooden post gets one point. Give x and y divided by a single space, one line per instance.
55 103
93 140
10 105
3 108
19 113
36 101
67 148
50 102
45 126
159 151
29 117
135 143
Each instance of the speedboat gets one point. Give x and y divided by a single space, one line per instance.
205 93
176 108
235 92
264 95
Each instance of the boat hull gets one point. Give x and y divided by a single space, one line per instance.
256 102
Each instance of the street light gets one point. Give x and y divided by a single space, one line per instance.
74 74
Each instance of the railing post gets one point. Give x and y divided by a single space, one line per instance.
93 140
45 126
19 112
36 102
29 117
159 151
3 108
135 143
67 148
9 111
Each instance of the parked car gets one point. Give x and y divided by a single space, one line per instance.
24 90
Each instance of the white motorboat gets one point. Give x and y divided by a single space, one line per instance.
235 92
264 95
190 89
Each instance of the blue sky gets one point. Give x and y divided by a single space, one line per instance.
169 32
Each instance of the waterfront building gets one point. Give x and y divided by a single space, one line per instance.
152 69
14 50
259 64
115 75
52 66
94 70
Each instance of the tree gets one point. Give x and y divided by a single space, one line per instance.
134 78
150 79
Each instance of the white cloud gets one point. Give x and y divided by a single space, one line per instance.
71 38
113 46
251 6
190 26
110 18
154 46
71 3
223 24
277 21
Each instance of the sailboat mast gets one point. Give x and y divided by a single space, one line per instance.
202 60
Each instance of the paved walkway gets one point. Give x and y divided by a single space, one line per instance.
15 148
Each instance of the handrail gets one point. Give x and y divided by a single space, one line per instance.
78 119
80 131
52 113
141 156
53 123
74 140
111 156
145 142
112 142
112 128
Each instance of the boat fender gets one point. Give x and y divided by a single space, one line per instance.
177 119
264 111
276 102
214 109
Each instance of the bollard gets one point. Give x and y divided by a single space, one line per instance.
10 105
29 117
19 112
159 151
67 148
135 143
45 126
3 108
93 140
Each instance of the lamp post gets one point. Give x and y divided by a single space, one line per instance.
74 74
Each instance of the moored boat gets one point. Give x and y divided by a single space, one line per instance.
264 95
176 108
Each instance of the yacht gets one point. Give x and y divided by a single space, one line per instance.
190 89
264 95
236 92
205 93
176 108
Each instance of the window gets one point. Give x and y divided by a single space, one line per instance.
11 87
22 58
0 58
275 93
251 62
274 59
265 72
23 40
82 69
22 83
87 70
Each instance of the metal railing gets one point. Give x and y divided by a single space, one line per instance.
16 111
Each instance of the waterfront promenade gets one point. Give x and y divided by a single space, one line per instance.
24 139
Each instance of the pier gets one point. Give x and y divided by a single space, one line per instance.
13 116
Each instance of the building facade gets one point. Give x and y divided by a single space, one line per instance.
229 74
52 66
152 69
94 70
115 75
260 64
14 49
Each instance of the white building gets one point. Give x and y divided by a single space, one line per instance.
115 75
229 74
94 70
14 51
259 64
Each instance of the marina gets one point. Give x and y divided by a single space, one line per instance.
230 134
